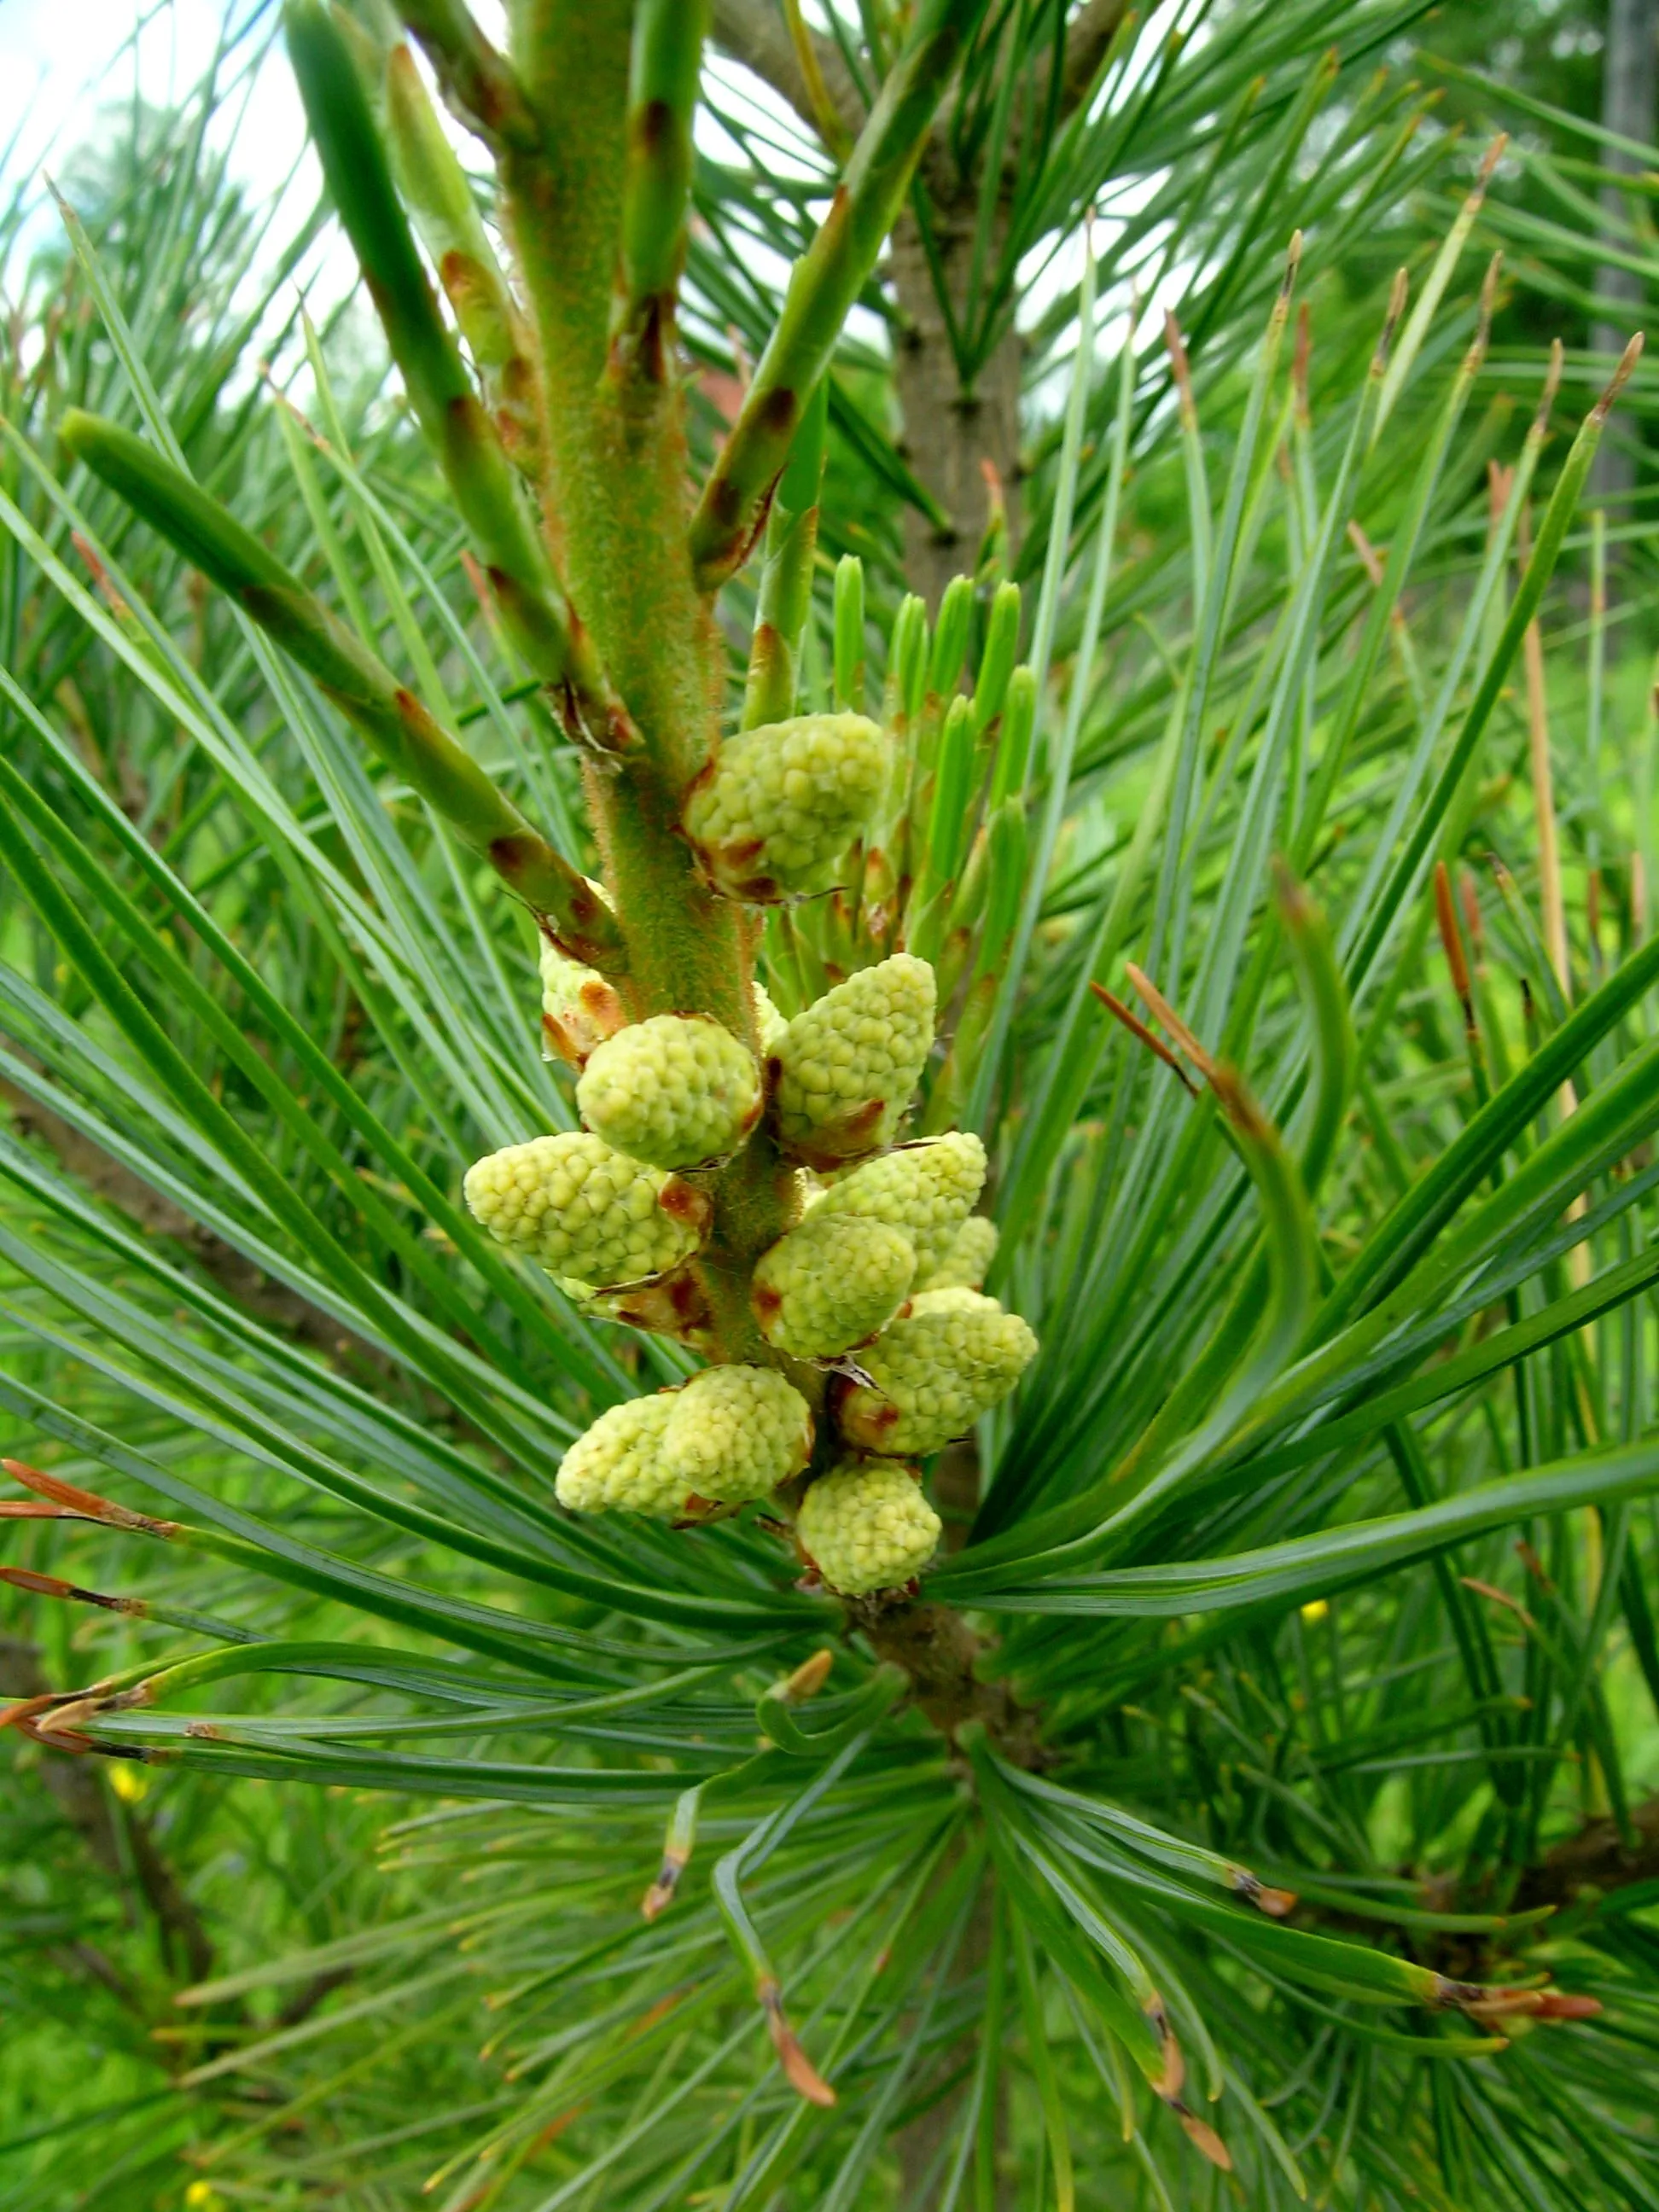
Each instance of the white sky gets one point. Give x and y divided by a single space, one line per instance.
62 61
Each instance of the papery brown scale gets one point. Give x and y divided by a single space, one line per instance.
25 1578
1204 2138
1562 2004
682 1201
652 124
87 1502
21 1715
799 2069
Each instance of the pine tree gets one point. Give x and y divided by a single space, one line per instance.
1000 1503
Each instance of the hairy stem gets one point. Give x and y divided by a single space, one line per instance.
615 492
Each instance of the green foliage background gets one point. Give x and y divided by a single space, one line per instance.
352 1913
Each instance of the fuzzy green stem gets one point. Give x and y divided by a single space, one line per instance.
615 489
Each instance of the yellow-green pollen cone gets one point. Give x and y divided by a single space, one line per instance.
618 1465
968 1261
831 1284
579 1208
580 1009
848 1065
867 1527
951 1358
777 807
737 1432
925 1189
678 1091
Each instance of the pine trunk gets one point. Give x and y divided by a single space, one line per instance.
952 432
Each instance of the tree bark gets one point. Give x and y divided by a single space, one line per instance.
1630 106
952 432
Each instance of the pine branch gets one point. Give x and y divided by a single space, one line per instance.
942 1656
536 610
823 287
407 737
1598 1858
480 84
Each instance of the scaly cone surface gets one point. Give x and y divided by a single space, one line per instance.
579 1208
967 1261
774 812
847 1065
617 1465
951 1358
867 1527
831 1284
675 1092
737 1432
924 1190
